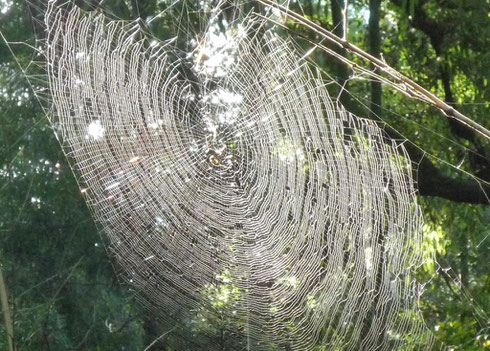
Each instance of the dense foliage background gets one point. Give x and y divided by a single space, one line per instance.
63 292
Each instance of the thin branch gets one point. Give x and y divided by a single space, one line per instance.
157 339
401 82
9 326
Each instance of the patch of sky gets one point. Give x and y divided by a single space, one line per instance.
95 131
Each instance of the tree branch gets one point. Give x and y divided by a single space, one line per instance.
436 32
9 326
431 180
399 81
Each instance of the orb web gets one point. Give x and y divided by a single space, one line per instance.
240 201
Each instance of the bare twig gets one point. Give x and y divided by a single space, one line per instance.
6 312
160 337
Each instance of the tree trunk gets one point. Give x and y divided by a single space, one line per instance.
342 70
375 50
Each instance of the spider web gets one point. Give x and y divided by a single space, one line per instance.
241 202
